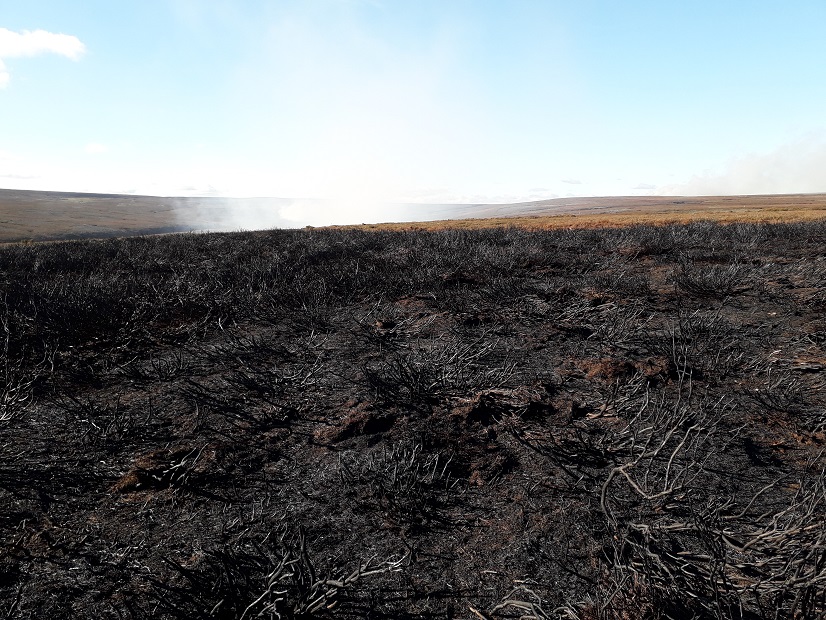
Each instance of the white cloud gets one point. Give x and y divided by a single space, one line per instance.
94 148
33 43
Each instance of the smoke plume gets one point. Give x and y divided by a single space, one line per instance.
795 167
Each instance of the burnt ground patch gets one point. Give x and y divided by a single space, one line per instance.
618 423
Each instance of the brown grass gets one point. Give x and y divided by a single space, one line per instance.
41 216
626 211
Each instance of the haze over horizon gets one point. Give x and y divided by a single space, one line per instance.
371 102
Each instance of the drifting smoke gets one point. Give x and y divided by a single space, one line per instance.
232 214
345 211
228 214
348 120
793 168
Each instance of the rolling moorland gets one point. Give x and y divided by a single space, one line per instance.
52 216
597 423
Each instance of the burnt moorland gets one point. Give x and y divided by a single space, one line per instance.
619 423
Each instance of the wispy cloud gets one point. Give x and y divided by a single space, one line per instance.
33 43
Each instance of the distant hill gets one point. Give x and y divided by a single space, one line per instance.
40 216
71 215
625 204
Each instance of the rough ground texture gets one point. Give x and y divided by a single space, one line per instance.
623 423
27 216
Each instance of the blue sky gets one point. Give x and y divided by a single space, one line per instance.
425 100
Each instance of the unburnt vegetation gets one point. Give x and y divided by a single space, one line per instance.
622 423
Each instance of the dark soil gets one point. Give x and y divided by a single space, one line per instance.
623 423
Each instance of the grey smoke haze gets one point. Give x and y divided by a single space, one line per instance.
228 214
795 167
